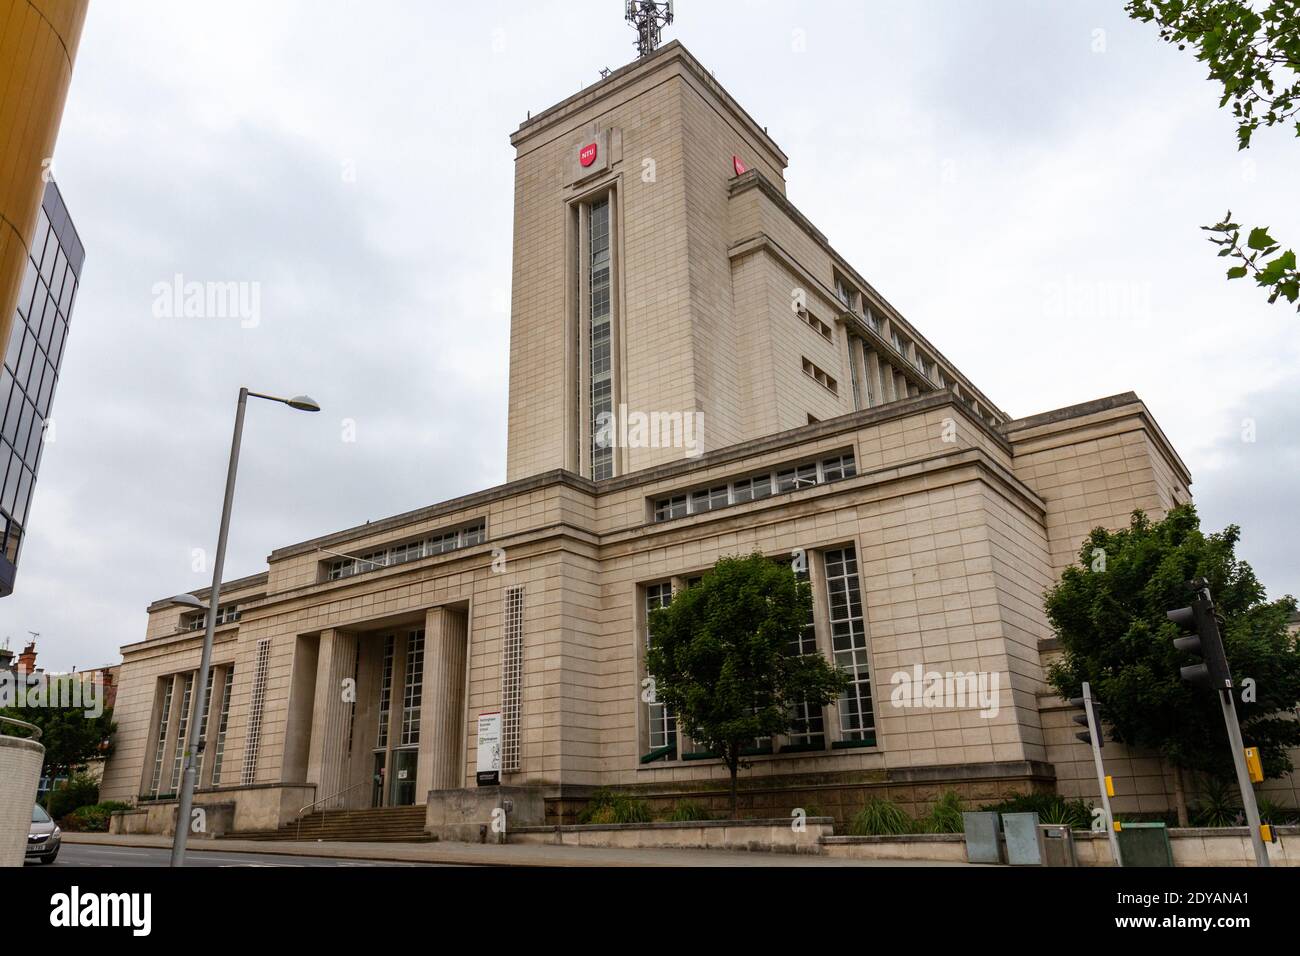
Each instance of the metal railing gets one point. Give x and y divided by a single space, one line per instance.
332 796
36 731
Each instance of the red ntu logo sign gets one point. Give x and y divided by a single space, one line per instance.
588 155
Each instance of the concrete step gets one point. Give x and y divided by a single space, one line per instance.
380 825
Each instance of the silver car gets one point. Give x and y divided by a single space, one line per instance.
43 837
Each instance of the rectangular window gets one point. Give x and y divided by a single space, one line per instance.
807 723
839 468
219 755
820 377
203 727
253 743
660 721
849 645
182 729
669 508
804 476
752 489
709 499
160 742
412 689
387 557
602 392
512 677
385 693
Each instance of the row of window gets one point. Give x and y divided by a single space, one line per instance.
820 377
848 650
601 325
755 487
441 543
226 614
174 732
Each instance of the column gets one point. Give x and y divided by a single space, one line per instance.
443 707
326 758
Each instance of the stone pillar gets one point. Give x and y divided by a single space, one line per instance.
327 759
443 707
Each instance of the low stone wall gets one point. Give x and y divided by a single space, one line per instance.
466 815
933 847
760 836
243 809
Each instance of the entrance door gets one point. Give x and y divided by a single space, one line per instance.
402 793
377 788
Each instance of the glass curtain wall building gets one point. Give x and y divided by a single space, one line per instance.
33 354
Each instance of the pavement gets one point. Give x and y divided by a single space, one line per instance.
246 852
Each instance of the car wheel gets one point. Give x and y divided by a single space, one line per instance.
47 860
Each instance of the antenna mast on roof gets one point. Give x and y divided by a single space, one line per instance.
649 18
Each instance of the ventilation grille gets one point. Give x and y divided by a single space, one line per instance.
512 672
249 774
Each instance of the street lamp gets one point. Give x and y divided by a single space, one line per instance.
303 404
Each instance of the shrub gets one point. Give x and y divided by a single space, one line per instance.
91 819
880 817
1218 806
609 806
1270 811
686 811
1050 807
81 790
945 815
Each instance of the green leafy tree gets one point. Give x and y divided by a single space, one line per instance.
71 739
1109 614
1252 50
722 660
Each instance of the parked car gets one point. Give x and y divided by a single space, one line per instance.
43 837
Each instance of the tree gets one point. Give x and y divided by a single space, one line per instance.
70 737
1109 614
722 657
1253 51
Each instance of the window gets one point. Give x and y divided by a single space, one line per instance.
203 728
820 377
182 729
849 645
661 722
599 287
226 614
807 721
873 321
816 324
899 344
846 294
385 693
752 489
512 680
756 487
413 689
669 508
253 741
441 543
804 476
708 500
160 742
223 723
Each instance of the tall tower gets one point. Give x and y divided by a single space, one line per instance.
38 45
622 293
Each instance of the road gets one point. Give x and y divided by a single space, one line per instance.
76 855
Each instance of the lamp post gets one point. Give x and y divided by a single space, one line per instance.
198 714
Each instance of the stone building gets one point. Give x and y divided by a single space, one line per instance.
694 372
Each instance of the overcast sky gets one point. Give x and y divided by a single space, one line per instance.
1024 180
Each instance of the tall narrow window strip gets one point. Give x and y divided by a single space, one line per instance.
160 743
662 722
258 700
512 667
599 341
807 724
203 728
182 728
385 693
412 689
849 644
219 754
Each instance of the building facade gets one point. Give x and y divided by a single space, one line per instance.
695 373
38 336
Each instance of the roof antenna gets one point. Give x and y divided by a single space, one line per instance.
649 19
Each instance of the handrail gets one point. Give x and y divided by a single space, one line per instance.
22 723
358 786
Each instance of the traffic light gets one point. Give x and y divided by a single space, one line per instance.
1082 721
1201 636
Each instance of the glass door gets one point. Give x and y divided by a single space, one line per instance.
402 793
377 789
